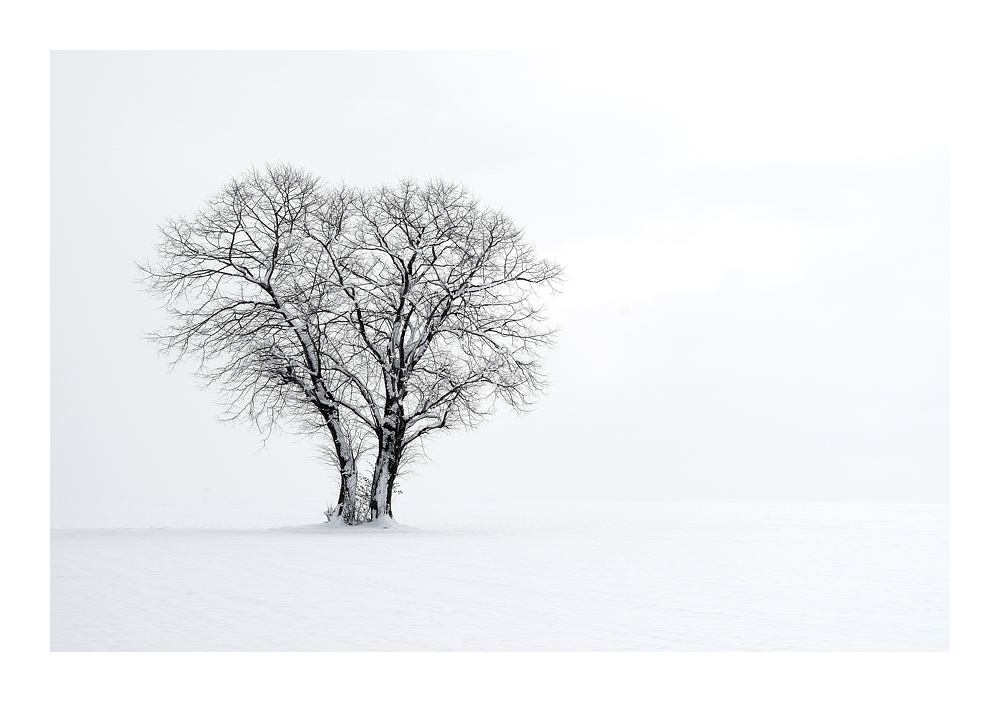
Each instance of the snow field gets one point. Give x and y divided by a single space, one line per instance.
526 577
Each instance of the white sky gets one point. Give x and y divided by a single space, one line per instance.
757 296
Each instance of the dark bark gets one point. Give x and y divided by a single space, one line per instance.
346 509
388 460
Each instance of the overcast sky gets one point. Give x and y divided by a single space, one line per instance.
756 305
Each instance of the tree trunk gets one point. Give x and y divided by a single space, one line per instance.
347 500
390 449
346 509
381 501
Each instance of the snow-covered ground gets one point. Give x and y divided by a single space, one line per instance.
533 577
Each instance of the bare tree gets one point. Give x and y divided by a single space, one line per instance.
376 316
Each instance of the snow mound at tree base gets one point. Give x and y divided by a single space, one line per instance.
380 524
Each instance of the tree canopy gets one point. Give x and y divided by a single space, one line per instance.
375 316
